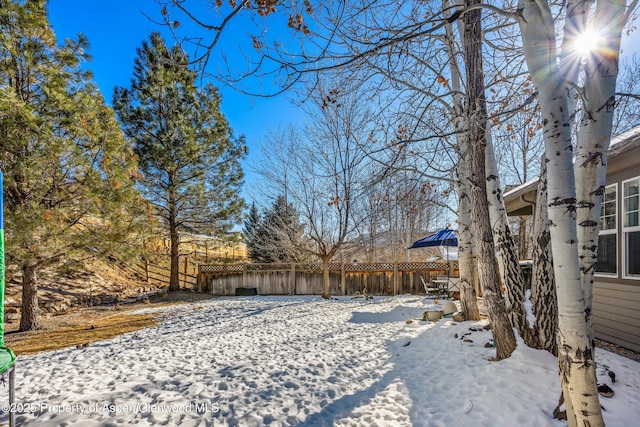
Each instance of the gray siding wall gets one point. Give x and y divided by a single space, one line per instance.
616 312
616 301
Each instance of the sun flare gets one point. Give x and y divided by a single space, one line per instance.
587 42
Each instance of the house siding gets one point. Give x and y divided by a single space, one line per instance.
616 300
616 311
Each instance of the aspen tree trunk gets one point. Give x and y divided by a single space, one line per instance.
543 292
510 271
466 256
575 355
523 238
501 329
503 335
594 136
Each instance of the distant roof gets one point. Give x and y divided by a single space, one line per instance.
624 141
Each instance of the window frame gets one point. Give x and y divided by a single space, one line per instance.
626 230
611 231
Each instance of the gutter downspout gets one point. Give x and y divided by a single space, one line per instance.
531 203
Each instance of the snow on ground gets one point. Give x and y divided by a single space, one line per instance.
304 361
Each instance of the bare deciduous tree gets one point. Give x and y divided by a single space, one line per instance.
326 172
394 42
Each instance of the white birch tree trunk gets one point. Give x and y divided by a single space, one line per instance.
601 71
543 293
575 355
510 271
466 254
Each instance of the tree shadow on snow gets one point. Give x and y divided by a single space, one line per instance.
412 382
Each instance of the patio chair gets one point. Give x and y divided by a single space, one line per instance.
431 289
454 285
450 285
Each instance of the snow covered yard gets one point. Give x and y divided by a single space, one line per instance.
304 361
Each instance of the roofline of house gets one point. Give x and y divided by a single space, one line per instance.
618 145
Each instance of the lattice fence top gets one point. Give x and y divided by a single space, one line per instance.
268 267
369 267
424 265
221 268
351 267
306 266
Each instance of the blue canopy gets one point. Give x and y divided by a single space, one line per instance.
444 237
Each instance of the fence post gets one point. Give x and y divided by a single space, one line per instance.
198 279
411 281
395 277
292 279
186 265
343 279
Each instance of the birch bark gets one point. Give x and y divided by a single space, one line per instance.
543 294
594 136
575 350
510 271
466 255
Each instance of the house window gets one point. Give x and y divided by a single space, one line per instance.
631 227
608 237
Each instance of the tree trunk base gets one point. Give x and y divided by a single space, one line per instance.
29 320
560 414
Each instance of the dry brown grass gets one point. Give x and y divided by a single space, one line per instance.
79 334
86 325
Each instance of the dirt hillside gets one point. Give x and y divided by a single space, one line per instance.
93 284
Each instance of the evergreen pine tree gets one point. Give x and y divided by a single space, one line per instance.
68 172
189 158
252 228
282 234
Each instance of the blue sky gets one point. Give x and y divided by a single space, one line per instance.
115 28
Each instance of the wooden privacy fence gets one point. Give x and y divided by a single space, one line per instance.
306 279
